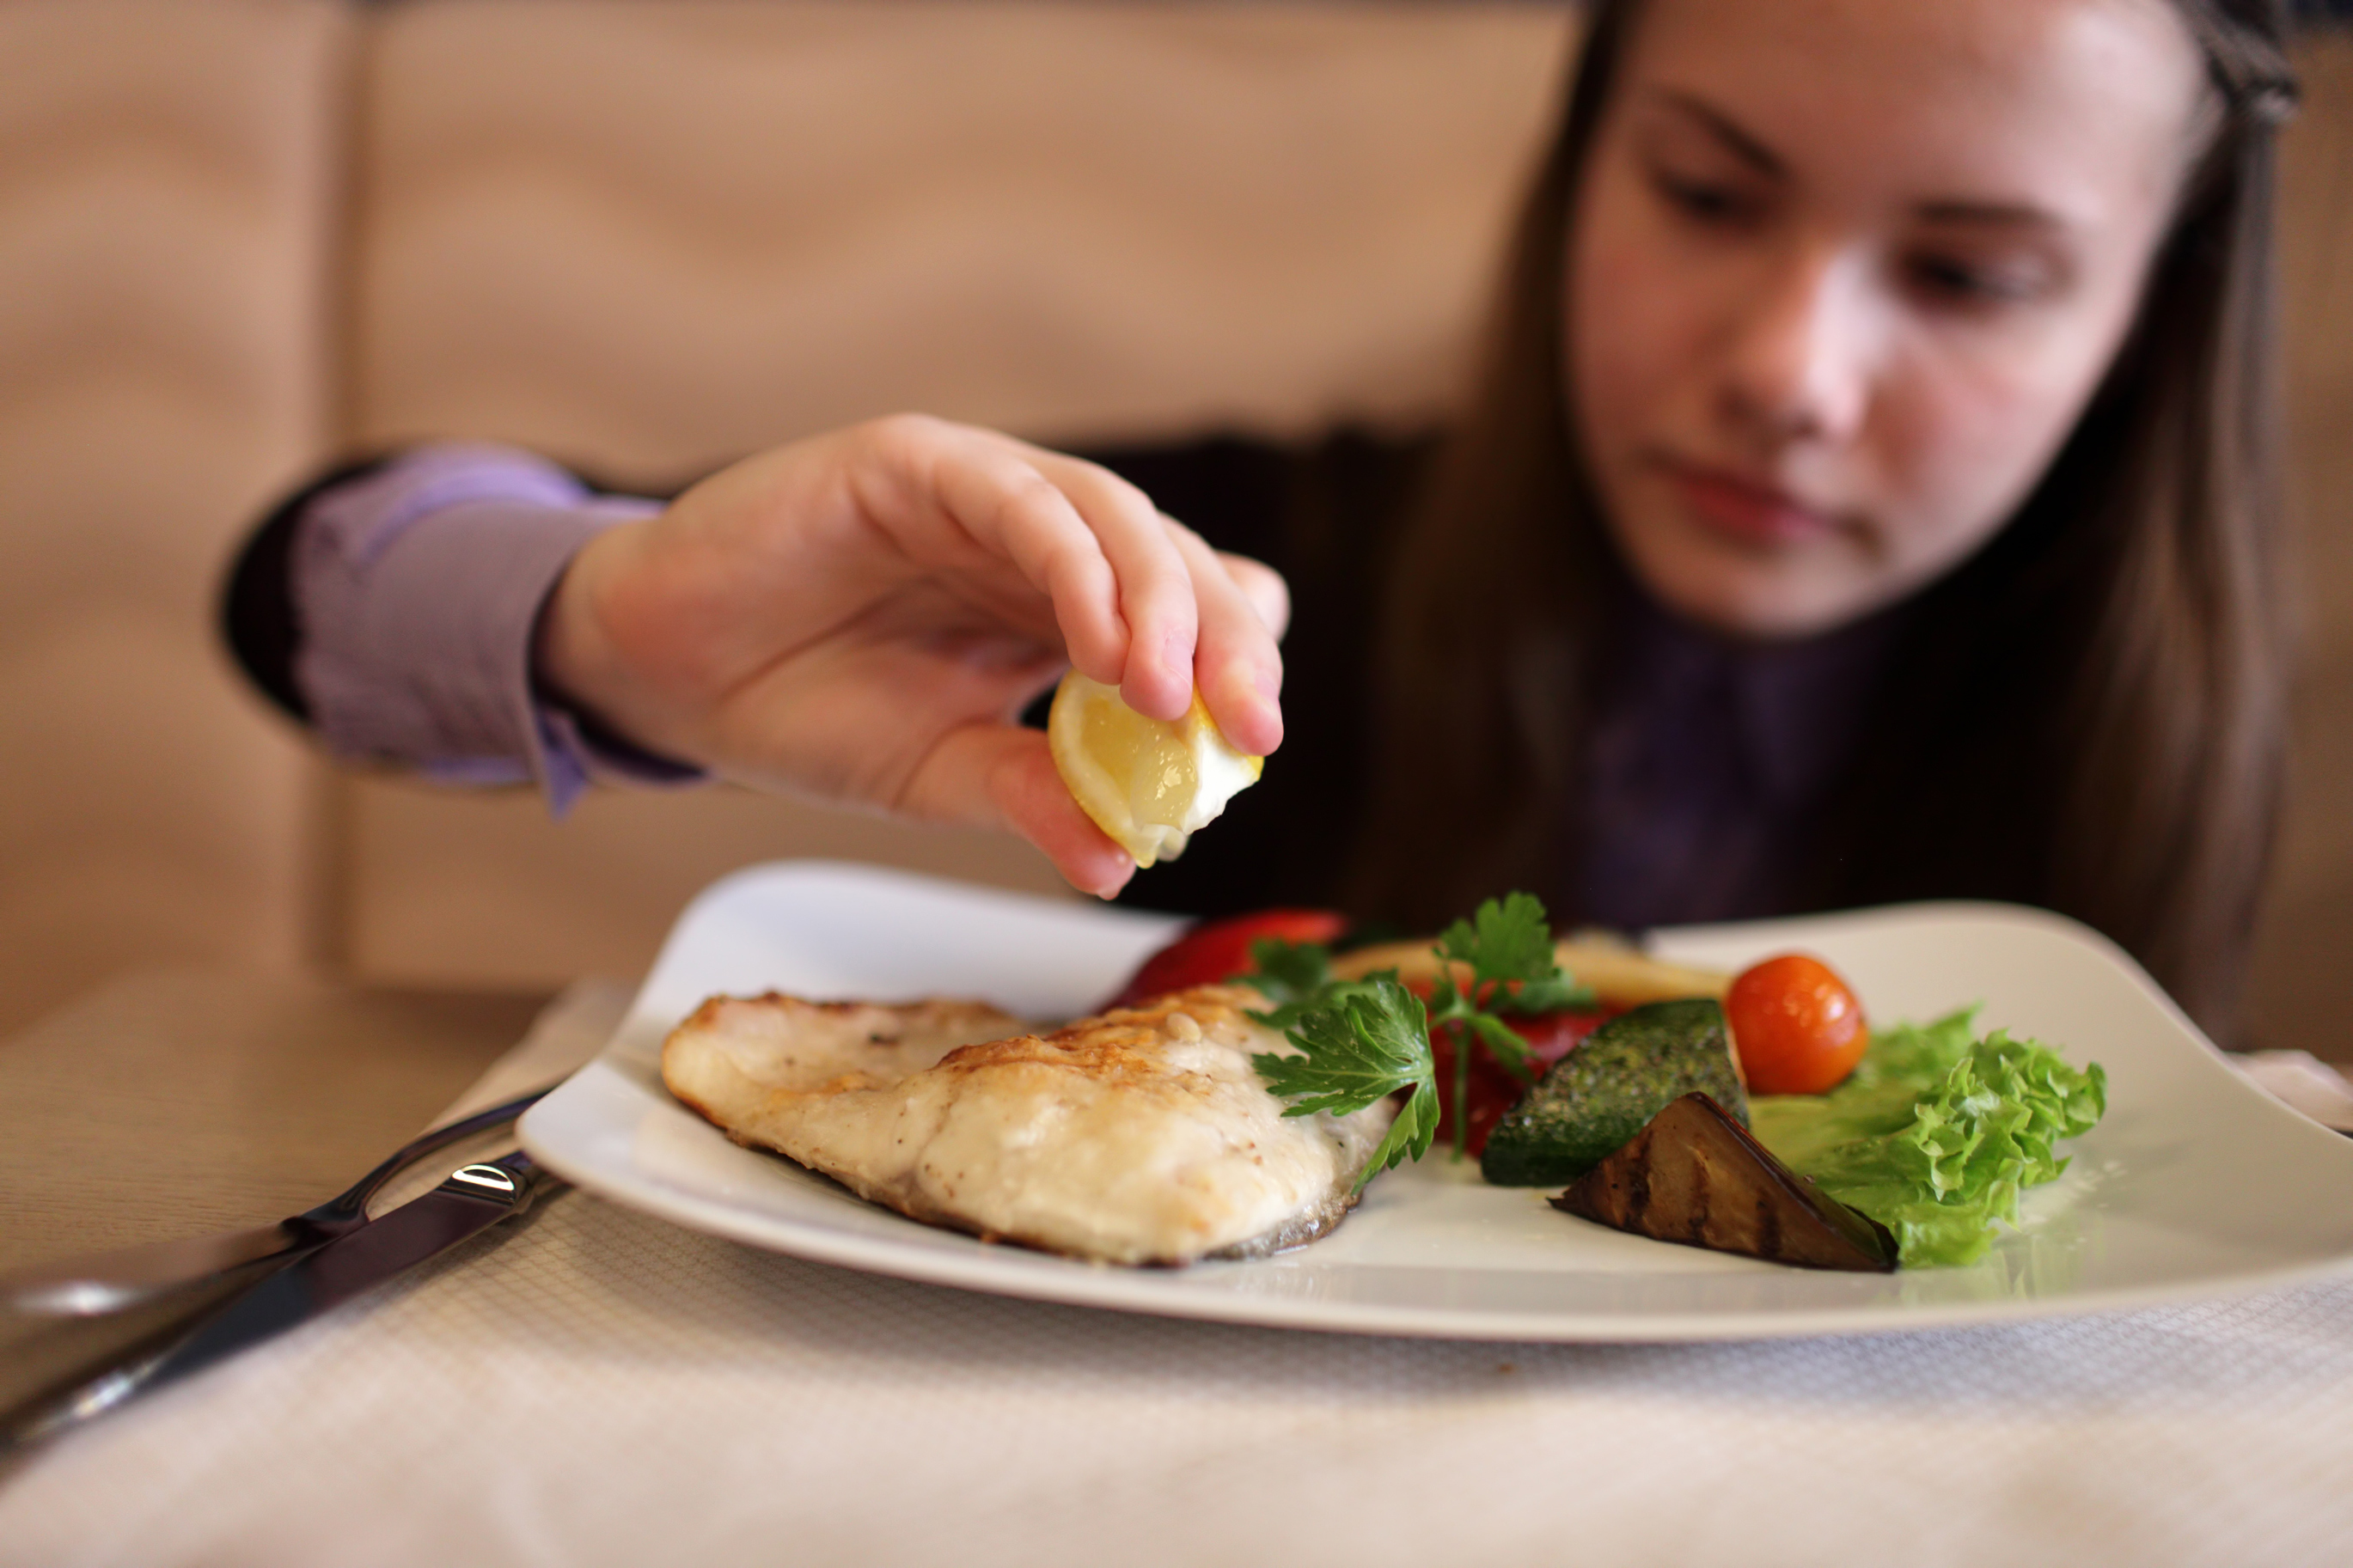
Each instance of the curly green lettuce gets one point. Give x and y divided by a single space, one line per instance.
1937 1132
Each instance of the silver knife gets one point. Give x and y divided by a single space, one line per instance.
473 1199
109 1282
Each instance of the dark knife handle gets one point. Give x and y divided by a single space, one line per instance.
334 1274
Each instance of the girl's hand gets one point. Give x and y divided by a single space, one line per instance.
861 617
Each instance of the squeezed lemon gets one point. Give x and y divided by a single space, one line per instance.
1149 783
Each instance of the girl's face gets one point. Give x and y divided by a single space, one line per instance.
1843 274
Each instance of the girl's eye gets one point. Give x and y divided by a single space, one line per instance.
1706 201
1959 281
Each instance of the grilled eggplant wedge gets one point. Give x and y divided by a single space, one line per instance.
1695 1175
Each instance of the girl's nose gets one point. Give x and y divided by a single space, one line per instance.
1799 365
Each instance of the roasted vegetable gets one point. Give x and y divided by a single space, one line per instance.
1694 1175
1601 1096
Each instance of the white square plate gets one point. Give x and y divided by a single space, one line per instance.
2197 1183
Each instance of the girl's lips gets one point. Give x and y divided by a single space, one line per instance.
1744 509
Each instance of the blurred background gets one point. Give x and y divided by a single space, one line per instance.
240 236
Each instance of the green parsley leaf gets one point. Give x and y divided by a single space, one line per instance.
1507 1047
1508 946
1408 1136
1550 994
1291 974
1363 1039
1506 939
1367 1040
1360 1042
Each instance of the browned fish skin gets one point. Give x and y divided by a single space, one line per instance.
843 1045
1142 1136
1119 1042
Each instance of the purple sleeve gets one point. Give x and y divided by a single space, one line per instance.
417 588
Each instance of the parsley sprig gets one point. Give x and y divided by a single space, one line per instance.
1508 947
1291 974
1362 1040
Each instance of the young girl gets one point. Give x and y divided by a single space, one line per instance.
1939 338
1869 496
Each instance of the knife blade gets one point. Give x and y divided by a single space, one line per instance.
109 1282
471 1200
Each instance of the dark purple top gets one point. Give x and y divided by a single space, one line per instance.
1710 762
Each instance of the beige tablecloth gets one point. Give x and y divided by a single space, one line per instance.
601 1387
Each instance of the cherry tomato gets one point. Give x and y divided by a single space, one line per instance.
1219 950
1797 1027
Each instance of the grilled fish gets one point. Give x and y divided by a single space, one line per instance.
1142 1136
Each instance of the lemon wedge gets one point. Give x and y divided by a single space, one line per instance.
1150 783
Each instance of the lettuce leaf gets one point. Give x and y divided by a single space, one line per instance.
1937 1132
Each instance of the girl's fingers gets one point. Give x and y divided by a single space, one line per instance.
1264 586
1238 666
999 775
1087 539
1132 594
1158 595
984 487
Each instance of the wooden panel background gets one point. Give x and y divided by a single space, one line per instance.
236 233
166 200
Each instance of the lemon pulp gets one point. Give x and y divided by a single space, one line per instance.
1149 783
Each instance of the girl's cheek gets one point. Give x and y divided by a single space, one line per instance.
1980 412
1630 320
1962 443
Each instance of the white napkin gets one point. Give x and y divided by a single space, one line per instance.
2302 1082
600 1387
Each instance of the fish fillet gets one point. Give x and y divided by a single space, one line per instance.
1143 1136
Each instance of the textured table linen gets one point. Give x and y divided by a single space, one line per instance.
602 1387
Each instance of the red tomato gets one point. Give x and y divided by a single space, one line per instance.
1494 1090
1798 1028
1219 950
1552 1036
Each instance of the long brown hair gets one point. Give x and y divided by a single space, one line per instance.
2087 715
